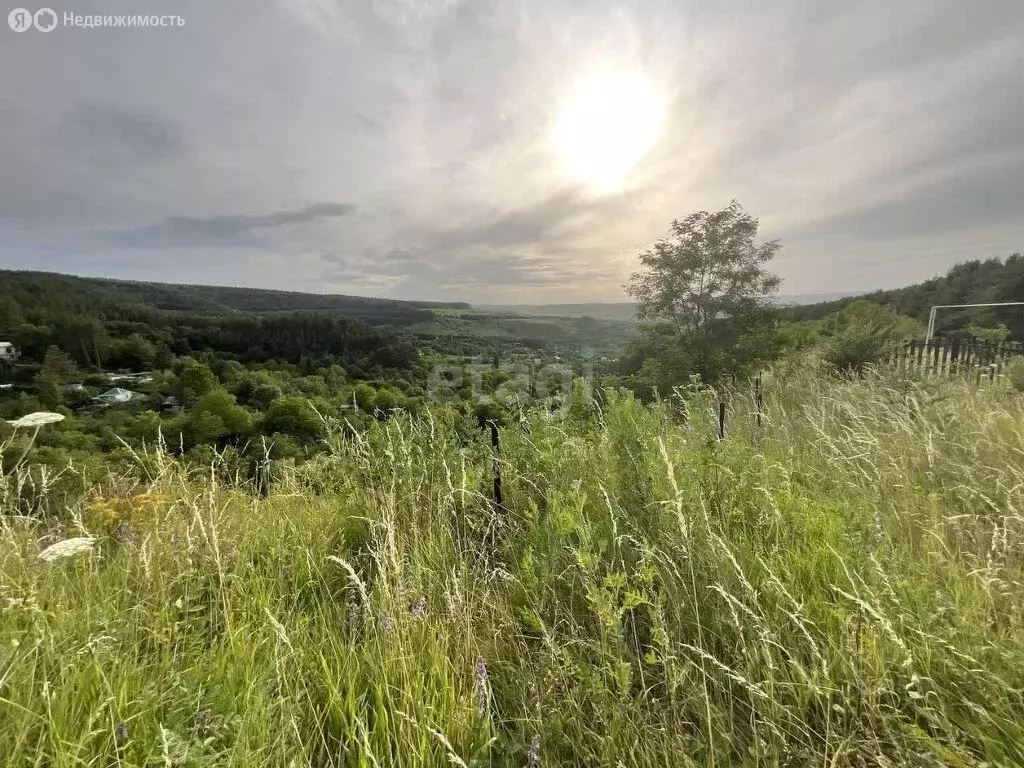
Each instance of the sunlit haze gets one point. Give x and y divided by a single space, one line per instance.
510 151
606 127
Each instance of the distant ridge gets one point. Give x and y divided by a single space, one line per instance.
211 299
970 282
626 311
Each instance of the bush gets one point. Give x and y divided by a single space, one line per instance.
862 334
293 416
1015 373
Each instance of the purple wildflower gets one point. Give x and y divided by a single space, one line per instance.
204 720
481 686
123 532
418 608
121 733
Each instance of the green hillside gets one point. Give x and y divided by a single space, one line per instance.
972 282
82 292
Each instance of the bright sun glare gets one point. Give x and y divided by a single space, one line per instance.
607 127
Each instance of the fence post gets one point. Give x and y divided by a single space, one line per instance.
721 421
758 399
496 463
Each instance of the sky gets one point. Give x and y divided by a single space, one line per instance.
412 148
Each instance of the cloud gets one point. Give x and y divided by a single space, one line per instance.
236 230
882 142
109 134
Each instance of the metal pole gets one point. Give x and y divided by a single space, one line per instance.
931 314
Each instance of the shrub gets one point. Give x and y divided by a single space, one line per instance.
1015 373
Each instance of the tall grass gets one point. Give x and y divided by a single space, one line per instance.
841 586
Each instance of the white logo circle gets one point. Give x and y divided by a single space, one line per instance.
19 19
45 19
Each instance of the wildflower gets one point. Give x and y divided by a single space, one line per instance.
879 530
204 720
67 548
481 686
418 608
121 733
385 624
37 419
533 756
123 532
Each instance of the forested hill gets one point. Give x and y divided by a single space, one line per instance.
68 293
972 282
136 325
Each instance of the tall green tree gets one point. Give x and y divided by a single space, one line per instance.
295 417
59 365
194 380
702 294
216 415
86 337
135 352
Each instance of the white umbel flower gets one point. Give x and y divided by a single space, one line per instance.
67 548
37 419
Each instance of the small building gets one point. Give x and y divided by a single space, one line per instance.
116 396
8 351
134 378
171 405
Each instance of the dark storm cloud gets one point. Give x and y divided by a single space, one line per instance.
237 230
881 141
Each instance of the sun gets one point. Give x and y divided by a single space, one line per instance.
606 127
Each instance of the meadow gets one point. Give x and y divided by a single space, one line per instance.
837 585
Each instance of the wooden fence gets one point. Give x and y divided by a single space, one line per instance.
947 357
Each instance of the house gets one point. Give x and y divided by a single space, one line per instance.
8 351
134 378
116 396
172 405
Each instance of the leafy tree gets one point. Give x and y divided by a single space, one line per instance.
59 365
136 353
228 371
293 416
57 368
32 340
11 316
85 336
388 399
215 416
49 390
365 396
194 380
162 356
995 334
144 428
701 291
257 389
1015 373
972 282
